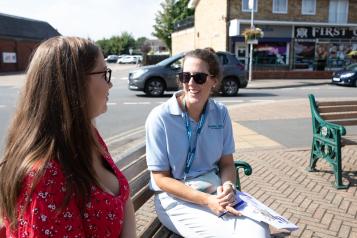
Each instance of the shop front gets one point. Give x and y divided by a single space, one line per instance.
271 51
323 48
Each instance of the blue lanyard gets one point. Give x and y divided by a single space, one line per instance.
192 150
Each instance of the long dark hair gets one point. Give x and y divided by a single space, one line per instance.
52 122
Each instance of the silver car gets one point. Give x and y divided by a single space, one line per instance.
154 80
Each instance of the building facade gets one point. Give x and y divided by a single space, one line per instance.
18 39
304 35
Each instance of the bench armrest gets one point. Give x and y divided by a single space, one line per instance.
239 164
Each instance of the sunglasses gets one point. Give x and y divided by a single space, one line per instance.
107 74
199 78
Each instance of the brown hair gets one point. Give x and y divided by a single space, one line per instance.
209 56
52 122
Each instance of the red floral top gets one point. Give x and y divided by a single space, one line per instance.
103 215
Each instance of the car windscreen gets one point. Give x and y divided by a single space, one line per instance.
169 60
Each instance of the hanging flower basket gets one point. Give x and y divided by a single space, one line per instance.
252 35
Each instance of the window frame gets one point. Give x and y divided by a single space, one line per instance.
280 12
248 10
308 13
347 8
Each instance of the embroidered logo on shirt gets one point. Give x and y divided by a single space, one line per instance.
215 126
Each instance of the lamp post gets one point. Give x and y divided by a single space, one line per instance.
251 6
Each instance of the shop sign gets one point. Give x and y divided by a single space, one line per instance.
9 57
306 32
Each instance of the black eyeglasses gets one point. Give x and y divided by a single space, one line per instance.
107 74
199 77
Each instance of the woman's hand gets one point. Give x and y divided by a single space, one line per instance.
213 203
226 194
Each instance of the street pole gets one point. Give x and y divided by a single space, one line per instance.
251 5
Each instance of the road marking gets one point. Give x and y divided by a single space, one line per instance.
136 103
111 103
262 100
230 101
124 78
2 106
124 135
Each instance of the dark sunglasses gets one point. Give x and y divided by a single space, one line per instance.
199 78
107 74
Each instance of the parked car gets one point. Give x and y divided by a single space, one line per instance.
111 58
346 76
130 59
154 80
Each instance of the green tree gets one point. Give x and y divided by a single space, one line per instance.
172 12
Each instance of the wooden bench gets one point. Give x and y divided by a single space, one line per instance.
135 169
329 119
133 165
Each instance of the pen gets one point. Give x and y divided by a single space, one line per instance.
235 207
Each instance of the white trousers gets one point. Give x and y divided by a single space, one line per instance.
195 221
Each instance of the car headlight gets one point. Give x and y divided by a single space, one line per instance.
138 73
347 75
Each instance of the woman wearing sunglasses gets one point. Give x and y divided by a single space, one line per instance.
57 178
189 147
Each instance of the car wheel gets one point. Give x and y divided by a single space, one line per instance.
356 83
230 86
154 87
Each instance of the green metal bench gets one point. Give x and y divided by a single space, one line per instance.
329 119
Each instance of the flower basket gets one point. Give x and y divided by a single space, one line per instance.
252 35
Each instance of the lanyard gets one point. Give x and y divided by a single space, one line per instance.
192 150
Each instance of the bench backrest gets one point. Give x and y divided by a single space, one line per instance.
339 112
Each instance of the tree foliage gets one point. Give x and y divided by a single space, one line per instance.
172 12
118 44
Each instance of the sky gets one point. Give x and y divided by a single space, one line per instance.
96 19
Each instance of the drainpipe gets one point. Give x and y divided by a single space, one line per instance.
227 25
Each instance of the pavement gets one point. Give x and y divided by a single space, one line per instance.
280 180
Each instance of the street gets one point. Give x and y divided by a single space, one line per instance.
127 110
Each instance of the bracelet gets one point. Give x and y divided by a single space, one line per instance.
230 184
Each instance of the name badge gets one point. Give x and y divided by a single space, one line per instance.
215 126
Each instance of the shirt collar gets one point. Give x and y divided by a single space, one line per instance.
174 107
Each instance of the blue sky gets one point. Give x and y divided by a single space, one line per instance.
89 18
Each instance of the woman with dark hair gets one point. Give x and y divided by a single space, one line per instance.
189 147
57 177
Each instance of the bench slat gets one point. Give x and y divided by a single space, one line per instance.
162 232
141 197
346 122
339 116
336 103
338 109
150 228
134 168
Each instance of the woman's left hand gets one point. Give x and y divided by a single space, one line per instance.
226 194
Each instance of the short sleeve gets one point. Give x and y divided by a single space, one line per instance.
228 139
43 217
156 144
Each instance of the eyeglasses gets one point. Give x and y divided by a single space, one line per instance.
107 74
199 77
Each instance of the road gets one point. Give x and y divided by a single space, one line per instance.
127 110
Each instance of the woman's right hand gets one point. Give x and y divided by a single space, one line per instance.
213 203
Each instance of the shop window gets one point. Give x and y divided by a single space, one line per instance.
274 53
245 5
308 7
338 11
280 6
304 55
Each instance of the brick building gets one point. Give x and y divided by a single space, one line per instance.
298 34
18 38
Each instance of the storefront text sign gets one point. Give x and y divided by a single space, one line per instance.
304 32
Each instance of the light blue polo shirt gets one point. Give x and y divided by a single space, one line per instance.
167 141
